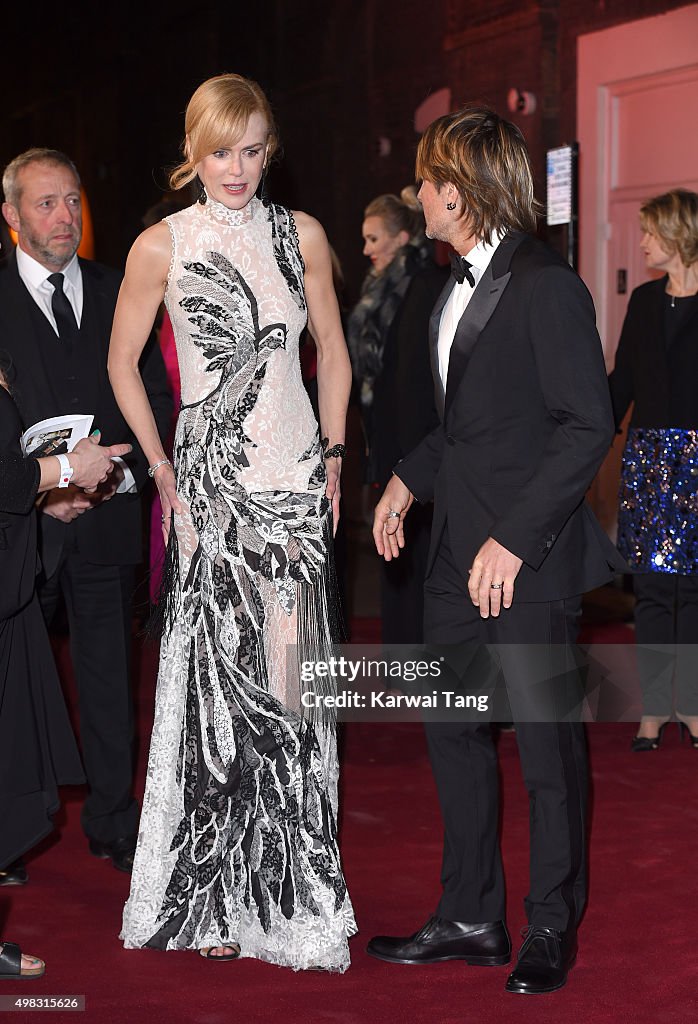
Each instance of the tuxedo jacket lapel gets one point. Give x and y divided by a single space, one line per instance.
16 317
478 312
16 311
434 321
95 327
16 307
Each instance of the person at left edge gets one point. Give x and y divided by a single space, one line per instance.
56 314
37 746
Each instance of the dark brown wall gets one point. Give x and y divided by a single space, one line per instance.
359 73
109 83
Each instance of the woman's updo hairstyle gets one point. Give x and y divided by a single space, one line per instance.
402 213
216 117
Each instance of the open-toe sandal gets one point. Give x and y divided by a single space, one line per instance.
208 954
11 963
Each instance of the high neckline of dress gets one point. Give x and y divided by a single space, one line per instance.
224 215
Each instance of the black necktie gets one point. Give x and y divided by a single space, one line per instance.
62 310
460 268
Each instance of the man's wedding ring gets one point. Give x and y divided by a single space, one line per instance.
392 514
496 586
162 519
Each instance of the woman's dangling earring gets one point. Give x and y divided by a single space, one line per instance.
202 194
450 206
261 192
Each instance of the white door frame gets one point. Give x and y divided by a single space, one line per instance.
606 68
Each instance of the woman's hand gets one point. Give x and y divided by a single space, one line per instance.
169 499
333 489
91 462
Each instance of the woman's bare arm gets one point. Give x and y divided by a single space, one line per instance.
141 293
325 325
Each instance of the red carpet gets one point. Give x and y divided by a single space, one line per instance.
637 959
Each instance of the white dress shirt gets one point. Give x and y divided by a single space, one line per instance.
479 259
36 280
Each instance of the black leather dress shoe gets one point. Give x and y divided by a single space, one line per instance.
544 961
14 874
120 852
483 945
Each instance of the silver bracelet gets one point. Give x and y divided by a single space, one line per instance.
152 470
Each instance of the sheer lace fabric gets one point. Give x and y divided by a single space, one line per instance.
238 839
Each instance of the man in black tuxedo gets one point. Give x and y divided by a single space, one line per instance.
525 423
56 314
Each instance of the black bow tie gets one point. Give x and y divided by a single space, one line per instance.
460 268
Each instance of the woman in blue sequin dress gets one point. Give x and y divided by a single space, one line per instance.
657 370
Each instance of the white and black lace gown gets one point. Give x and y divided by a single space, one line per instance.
238 840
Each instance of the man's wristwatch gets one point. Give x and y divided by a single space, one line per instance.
66 471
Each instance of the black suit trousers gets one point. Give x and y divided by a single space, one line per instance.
666 634
98 601
530 642
402 582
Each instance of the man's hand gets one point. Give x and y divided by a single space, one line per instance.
493 564
388 531
106 490
92 463
66 503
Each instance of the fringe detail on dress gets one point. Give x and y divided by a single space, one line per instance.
320 629
168 601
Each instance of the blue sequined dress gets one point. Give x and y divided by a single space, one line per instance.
656 371
658 501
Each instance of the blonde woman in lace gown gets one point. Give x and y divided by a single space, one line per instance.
237 852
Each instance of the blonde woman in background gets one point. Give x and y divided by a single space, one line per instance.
388 335
656 369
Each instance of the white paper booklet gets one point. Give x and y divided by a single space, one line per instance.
56 435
